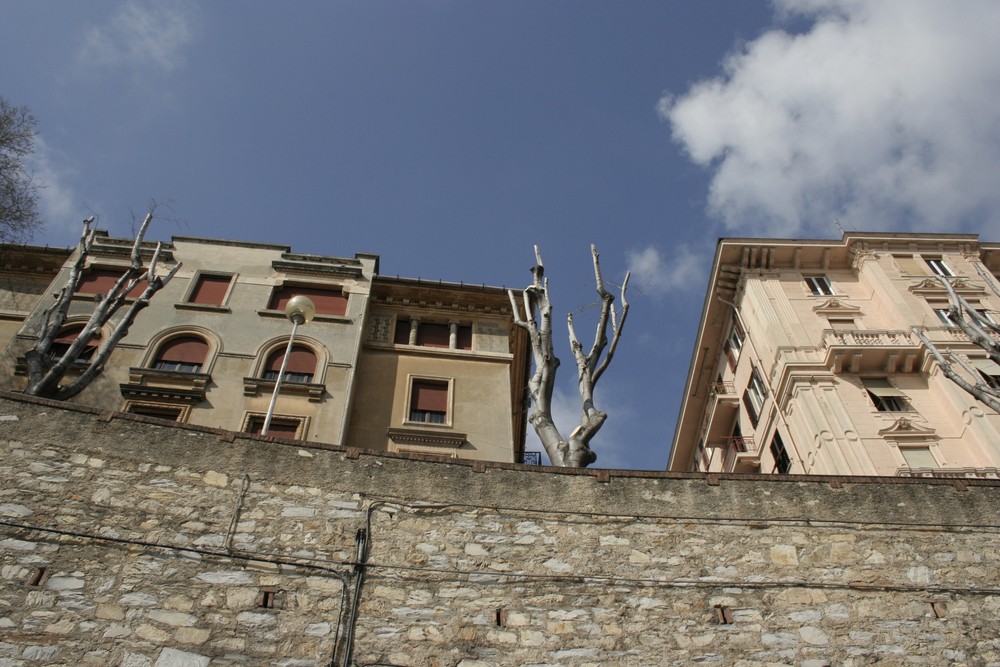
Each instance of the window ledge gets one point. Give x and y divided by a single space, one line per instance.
314 391
416 436
203 307
178 385
319 317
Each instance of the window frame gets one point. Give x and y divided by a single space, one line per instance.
159 364
757 392
183 411
266 373
819 285
944 316
301 424
916 447
886 398
197 282
782 460
733 346
939 267
313 292
411 397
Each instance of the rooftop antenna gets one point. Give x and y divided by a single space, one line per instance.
837 222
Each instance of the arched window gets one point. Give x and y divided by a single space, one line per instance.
183 353
301 365
62 342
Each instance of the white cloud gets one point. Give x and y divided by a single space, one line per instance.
141 33
658 277
58 205
884 113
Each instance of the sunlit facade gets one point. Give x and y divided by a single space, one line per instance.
386 364
806 362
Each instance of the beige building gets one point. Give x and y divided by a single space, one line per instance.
806 362
209 347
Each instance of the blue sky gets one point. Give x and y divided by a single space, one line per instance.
449 137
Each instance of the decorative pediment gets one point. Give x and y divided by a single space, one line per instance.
836 306
932 287
905 428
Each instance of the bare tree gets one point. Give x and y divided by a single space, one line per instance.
46 370
18 191
574 451
981 331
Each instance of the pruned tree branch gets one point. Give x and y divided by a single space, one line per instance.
981 332
45 373
574 451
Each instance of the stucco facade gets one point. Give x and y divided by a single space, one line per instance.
806 360
208 347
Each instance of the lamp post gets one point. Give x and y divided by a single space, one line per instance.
300 309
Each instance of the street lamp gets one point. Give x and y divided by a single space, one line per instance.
300 309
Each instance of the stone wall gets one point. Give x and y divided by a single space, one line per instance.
127 541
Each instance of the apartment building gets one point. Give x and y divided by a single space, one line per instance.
806 360
209 348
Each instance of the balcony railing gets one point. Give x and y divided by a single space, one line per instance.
736 445
869 338
952 473
722 388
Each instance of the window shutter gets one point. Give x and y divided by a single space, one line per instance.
302 360
987 366
184 349
402 335
464 338
910 266
328 301
69 336
429 396
433 335
918 457
881 387
211 290
101 281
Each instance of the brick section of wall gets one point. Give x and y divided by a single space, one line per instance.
160 544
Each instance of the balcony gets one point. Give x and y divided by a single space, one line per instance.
741 452
950 473
870 338
883 350
723 405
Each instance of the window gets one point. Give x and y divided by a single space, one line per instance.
429 401
985 314
843 324
944 315
185 354
884 396
734 343
782 462
300 368
281 427
453 335
170 413
918 457
819 285
329 301
754 396
62 342
989 370
101 281
210 289
910 265
430 334
938 267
